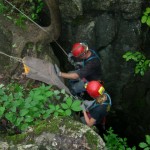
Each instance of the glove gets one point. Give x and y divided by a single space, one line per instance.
57 70
83 107
70 58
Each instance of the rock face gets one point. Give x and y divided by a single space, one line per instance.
113 28
56 134
34 40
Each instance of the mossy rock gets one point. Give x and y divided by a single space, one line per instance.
58 133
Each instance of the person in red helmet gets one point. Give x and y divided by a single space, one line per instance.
94 111
90 68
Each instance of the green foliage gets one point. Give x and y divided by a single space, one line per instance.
71 105
34 8
145 145
146 16
3 8
114 142
24 109
30 8
142 64
20 21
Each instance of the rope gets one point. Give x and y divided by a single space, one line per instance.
15 58
20 60
36 25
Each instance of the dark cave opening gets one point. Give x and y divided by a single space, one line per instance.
44 17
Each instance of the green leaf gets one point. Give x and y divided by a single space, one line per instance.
148 10
56 92
13 109
55 113
34 103
134 148
18 121
69 101
148 139
68 112
4 98
147 62
9 17
64 106
144 19
38 97
147 148
52 107
7 104
36 115
18 102
42 111
47 114
137 70
143 145
49 93
60 111
27 105
148 21
34 109
2 109
28 99
127 54
63 91
10 116
57 107
76 108
1 86
24 126
23 112
142 73
76 103
29 119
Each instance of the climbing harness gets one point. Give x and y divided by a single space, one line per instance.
104 103
92 57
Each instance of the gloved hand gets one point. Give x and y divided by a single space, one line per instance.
83 107
57 70
70 58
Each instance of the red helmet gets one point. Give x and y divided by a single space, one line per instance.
94 88
78 49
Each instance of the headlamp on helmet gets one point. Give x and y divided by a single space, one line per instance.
94 89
